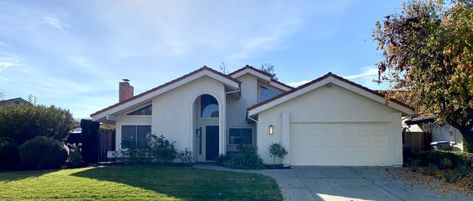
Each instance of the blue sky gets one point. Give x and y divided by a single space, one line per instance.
73 53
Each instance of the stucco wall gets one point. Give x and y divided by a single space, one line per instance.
327 105
173 113
236 108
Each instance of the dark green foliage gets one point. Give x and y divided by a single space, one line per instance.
248 158
42 153
222 159
136 155
445 159
8 153
466 146
161 149
75 158
25 121
276 150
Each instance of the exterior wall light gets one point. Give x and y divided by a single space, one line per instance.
270 129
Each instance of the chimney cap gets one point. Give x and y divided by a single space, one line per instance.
125 80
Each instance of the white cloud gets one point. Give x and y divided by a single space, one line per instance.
56 21
370 72
299 83
7 61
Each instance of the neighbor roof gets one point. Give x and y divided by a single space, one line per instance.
147 94
357 88
12 101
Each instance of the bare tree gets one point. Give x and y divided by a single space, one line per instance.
223 68
269 68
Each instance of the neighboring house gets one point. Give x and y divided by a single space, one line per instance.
328 121
14 101
436 132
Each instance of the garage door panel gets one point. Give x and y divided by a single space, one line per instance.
340 143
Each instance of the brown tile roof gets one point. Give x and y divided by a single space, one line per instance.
320 79
262 72
166 84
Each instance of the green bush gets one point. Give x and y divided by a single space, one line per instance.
26 121
161 149
248 158
75 158
444 159
8 153
222 160
42 153
136 155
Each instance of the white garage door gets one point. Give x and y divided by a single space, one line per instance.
357 144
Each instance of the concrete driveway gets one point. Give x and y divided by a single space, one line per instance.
349 183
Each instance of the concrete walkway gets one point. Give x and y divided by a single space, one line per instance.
345 183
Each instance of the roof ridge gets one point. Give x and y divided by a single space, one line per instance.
329 74
166 84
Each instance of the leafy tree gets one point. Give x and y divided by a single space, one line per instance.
25 121
427 50
268 68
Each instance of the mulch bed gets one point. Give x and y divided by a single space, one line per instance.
434 180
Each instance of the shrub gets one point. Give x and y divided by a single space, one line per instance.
161 149
42 152
26 121
222 160
136 155
185 156
414 164
8 153
75 158
246 159
445 159
276 150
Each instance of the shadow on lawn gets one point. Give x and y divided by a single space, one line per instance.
188 183
20 175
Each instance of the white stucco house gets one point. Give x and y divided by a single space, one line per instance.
328 121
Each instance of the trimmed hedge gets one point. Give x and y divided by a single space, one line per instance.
444 159
43 153
8 153
26 121
248 158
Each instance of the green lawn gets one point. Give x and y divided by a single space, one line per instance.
146 182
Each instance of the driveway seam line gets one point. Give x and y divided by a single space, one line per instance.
384 189
306 187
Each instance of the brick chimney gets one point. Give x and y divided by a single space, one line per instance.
125 90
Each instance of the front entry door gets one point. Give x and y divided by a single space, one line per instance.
211 143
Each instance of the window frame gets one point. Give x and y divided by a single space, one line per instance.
201 108
268 88
234 144
135 134
129 113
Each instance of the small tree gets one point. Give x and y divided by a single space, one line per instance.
276 150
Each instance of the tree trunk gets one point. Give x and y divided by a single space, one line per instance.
467 135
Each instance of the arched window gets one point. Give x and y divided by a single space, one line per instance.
208 106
